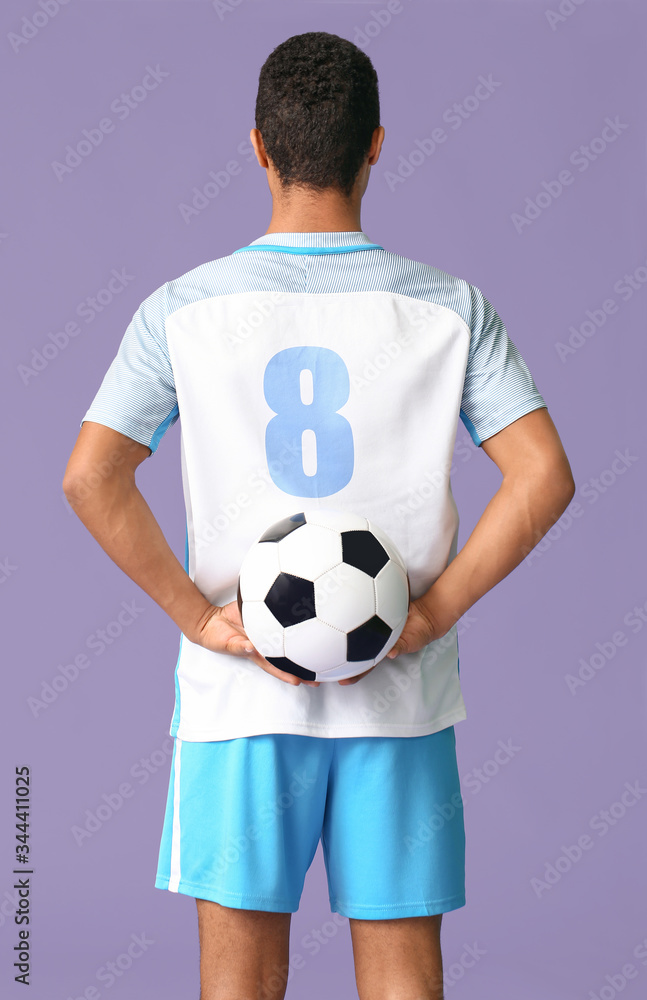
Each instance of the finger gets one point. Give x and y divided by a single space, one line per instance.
354 680
239 645
401 646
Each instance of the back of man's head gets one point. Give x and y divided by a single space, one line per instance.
316 109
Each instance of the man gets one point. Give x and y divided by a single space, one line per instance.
394 352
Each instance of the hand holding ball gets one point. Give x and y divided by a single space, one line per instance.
323 594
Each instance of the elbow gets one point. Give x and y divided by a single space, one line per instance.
550 484
74 487
569 490
79 480
97 481
564 482
558 484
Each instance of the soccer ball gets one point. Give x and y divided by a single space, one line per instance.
323 594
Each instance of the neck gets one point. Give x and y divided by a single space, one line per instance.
321 213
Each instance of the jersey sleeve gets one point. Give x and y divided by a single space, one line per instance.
137 396
498 386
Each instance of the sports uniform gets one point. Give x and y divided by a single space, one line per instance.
315 369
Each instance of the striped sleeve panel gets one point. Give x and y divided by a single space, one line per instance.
498 387
137 396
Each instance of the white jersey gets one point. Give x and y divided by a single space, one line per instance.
307 370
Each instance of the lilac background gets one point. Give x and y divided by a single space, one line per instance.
120 209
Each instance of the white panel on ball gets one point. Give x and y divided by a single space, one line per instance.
258 571
344 597
314 645
338 520
263 629
392 594
388 544
309 551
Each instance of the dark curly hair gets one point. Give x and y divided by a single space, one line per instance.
317 108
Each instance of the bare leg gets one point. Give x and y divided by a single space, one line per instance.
398 959
244 954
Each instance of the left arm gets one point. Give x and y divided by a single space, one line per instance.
536 488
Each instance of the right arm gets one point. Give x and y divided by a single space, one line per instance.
100 486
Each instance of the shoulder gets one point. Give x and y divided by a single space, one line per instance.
421 280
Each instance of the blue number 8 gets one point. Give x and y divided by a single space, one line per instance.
284 433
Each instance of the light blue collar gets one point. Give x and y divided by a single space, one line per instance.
313 243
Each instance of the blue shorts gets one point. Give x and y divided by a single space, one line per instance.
244 818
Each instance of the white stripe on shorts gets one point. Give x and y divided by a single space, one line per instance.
174 879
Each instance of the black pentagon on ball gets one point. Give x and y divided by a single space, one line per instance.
365 642
282 528
362 550
283 663
291 599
